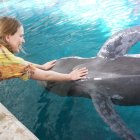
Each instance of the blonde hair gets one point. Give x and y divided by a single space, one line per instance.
8 26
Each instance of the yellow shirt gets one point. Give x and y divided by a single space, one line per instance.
12 66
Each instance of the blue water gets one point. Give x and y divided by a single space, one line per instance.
61 28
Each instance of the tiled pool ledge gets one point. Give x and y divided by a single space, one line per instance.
11 128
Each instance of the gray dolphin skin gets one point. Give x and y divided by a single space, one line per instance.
113 78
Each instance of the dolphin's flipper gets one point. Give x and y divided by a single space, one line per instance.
119 43
104 107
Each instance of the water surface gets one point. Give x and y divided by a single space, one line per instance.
62 28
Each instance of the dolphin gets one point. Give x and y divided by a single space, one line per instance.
113 79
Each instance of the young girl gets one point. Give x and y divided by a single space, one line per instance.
11 66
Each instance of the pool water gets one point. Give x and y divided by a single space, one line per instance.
63 28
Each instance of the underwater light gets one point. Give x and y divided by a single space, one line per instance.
111 14
79 9
48 3
114 15
86 2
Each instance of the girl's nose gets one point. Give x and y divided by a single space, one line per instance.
23 41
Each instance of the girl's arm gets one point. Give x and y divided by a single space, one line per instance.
76 74
45 66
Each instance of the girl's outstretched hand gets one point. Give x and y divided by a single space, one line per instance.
78 74
48 65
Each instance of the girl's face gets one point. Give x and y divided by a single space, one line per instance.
16 40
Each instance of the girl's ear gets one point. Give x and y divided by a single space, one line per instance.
7 38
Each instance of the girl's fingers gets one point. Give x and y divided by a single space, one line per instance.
53 61
84 74
83 69
83 77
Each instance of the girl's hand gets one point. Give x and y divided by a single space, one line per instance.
78 74
48 65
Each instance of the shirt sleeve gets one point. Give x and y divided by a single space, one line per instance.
12 66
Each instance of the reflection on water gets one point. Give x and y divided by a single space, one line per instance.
61 28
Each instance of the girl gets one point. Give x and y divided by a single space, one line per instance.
11 66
